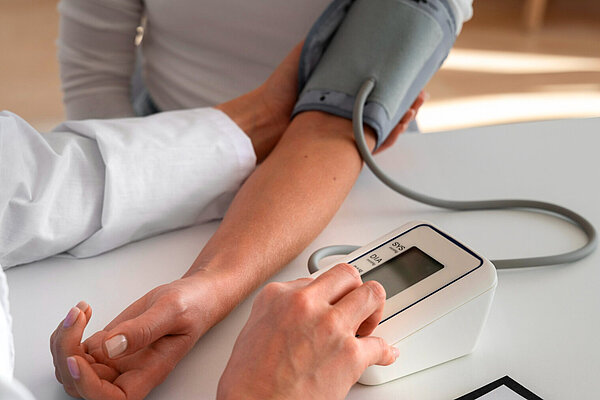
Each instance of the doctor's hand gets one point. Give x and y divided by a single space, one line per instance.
139 348
300 340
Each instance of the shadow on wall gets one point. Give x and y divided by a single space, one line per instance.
500 72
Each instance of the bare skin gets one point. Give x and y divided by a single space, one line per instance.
300 340
308 167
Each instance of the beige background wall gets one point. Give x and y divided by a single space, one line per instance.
498 72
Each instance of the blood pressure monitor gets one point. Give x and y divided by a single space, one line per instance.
438 290
438 295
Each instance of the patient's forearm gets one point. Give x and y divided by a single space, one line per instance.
282 206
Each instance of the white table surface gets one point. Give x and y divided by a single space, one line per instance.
544 324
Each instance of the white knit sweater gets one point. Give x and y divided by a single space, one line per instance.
196 53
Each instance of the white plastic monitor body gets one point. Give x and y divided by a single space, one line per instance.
433 316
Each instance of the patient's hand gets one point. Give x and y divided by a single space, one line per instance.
162 326
139 348
403 124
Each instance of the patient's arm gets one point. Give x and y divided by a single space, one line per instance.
284 204
278 211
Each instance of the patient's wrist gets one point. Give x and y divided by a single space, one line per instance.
225 283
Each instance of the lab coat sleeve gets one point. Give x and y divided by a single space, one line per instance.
96 52
10 388
90 186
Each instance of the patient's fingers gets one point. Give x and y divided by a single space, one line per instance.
66 341
393 136
86 308
421 98
89 385
411 113
402 126
67 335
134 384
104 371
81 306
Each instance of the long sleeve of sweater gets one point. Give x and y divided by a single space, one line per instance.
96 51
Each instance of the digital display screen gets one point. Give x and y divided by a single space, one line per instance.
403 271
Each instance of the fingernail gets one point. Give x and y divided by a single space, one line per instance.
82 305
71 317
395 352
115 345
73 367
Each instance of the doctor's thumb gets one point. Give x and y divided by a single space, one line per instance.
133 335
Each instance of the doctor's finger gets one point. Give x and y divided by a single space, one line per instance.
375 351
335 283
362 308
133 335
298 283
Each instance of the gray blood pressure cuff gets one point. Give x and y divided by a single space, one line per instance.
399 43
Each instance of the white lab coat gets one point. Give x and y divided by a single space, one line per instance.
10 388
90 186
